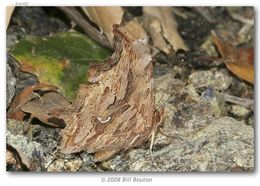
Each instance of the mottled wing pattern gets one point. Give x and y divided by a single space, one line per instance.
116 110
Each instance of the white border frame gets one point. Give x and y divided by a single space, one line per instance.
81 179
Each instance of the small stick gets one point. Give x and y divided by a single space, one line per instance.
179 13
91 31
205 12
248 103
240 18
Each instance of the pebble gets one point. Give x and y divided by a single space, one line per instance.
239 111
217 79
10 85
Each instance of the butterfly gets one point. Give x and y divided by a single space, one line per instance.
115 110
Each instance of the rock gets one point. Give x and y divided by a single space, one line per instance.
22 79
87 158
194 28
239 111
184 111
31 153
217 79
73 165
118 163
251 121
35 149
65 165
222 145
88 164
240 88
209 47
217 102
10 85
161 70
90 168
11 41
47 137
36 21
13 35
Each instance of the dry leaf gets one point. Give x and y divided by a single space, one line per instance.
105 17
161 25
26 95
240 61
45 107
9 12
30 100
116 111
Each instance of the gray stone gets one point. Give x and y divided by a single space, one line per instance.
10 85
35 154
216 101
219 80
221 146
31 153
11 41
184 111
65 165
88 165
239 111
118 164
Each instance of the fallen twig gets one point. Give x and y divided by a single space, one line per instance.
240 18
248 103
205 12
91 31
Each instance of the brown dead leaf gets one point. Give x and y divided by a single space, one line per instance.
9 12
46 107
161 25
116 111
105 17
240 61
26 95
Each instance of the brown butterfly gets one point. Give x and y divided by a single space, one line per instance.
116 110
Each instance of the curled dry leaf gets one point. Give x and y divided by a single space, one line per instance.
240 61
41 101
105 17
161 25
26 95
116 111
46 107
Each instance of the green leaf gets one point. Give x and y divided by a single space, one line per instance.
62 60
